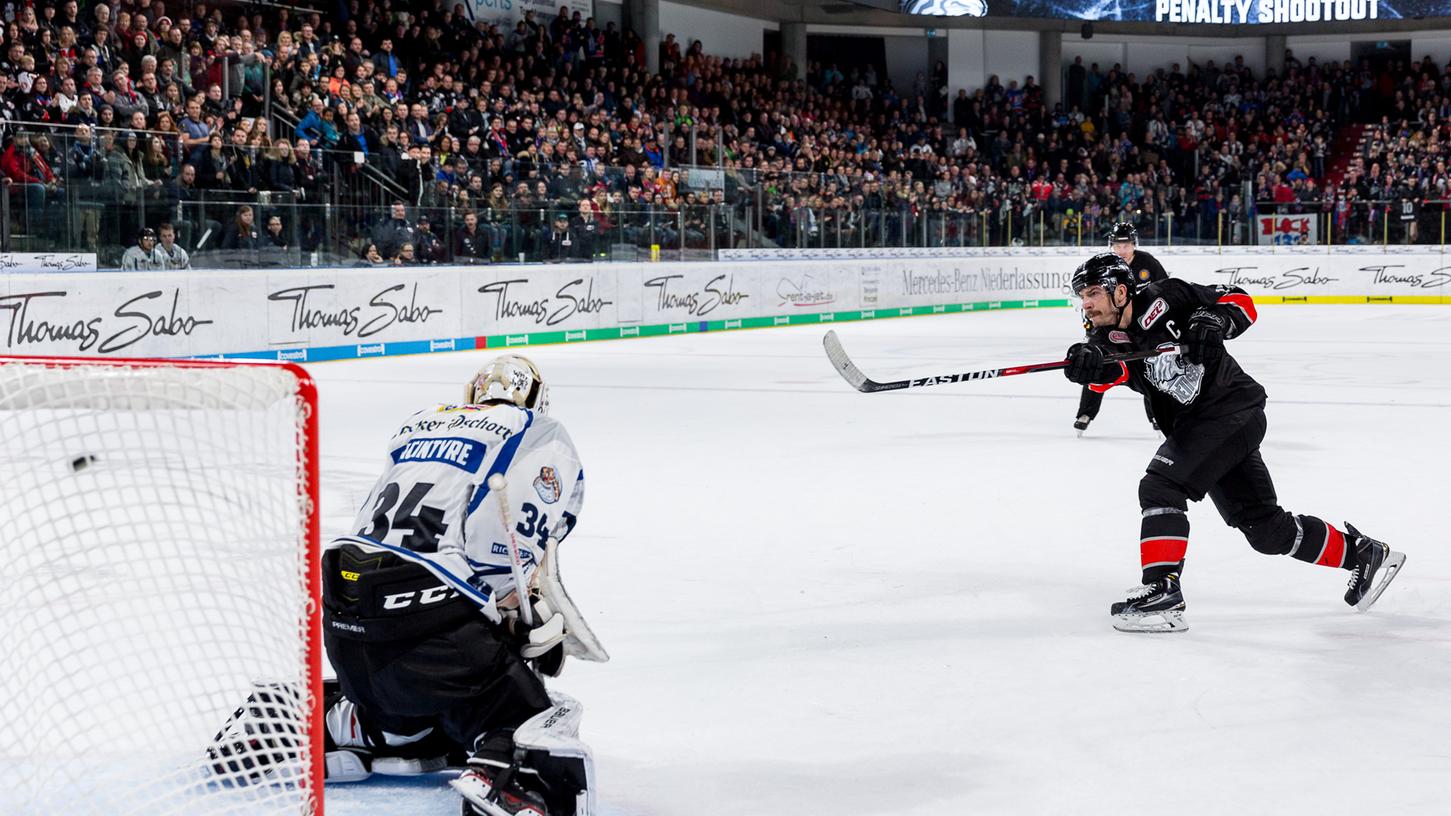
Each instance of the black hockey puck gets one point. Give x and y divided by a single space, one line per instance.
80 463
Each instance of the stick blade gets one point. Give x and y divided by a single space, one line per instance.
842 363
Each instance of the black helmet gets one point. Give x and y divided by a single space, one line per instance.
1104 269
146 232
1123 231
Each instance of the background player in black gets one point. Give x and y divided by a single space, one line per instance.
1123 241
1212 414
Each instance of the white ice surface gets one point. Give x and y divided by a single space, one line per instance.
825 602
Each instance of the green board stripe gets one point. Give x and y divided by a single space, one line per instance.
696 326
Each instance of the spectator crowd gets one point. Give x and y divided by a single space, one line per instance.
432 137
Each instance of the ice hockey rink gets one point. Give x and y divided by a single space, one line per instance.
826 602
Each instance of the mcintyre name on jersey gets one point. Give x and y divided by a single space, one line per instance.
433 505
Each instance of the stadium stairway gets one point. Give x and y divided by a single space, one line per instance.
1349 143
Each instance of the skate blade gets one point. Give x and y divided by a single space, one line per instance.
399 766
479 798
472 788
1389 569
1151 623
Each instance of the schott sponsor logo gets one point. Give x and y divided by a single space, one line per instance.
695 302
576 297
1306 276
382 310
1395 275
802 292
146 315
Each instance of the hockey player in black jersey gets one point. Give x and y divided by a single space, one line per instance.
1212 414
1123 241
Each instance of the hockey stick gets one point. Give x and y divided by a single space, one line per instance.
861 382
500 487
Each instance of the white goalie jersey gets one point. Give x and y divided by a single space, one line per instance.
433 505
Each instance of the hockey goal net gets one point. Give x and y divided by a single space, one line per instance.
158 588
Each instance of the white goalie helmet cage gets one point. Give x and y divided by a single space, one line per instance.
511 378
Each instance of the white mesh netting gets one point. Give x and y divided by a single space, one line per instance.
154 576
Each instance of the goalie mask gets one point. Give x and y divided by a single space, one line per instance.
509 378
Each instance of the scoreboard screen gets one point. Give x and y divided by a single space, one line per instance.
1201 12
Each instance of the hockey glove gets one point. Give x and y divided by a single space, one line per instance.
546 633
1085 363
1204 339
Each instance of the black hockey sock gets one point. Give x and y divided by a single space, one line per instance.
1089 403
1317 542
1163 540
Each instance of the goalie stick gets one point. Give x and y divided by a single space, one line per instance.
500 487
861 382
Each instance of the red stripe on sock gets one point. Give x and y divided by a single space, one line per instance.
1334 553
1162 550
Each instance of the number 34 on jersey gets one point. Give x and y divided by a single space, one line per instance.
433 504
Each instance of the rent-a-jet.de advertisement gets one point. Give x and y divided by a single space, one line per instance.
1200 12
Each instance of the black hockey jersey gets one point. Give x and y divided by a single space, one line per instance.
1176 388
1147 268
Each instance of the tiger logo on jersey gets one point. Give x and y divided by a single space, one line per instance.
1176 377
547 485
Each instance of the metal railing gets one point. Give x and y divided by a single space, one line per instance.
101 197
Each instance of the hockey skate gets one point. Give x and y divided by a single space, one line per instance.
1156 607
262 739
1372 558
1081 424
490 788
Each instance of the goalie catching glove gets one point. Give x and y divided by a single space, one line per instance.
559 628
546 632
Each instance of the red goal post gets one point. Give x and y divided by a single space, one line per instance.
161 618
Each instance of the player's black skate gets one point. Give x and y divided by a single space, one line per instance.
491 788
1081 424
1156 607
1372 559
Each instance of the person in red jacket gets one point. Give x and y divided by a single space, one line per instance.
27 175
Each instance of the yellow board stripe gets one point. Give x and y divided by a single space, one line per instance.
1314 300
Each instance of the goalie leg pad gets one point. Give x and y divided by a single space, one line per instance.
550 740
